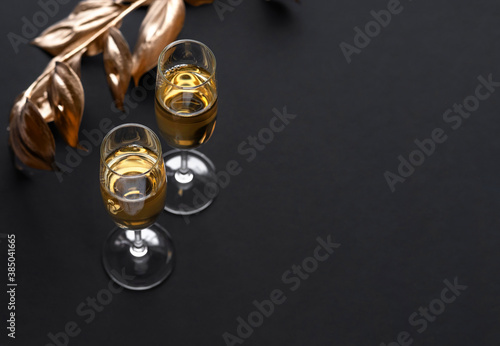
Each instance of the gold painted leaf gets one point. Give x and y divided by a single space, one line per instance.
30 137
40 92
118 65
162 24
67 99
199 2
39 95
87 18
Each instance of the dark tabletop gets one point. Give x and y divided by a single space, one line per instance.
378 157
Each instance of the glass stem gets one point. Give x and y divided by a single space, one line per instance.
183 175
184 164
138 248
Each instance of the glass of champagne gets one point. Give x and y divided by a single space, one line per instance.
138 254
186 111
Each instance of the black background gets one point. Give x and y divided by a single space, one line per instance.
323 175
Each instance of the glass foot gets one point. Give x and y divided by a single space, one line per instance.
193 191
143 269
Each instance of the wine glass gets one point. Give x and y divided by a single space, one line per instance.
138 254
186 112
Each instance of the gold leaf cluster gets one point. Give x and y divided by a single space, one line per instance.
57 94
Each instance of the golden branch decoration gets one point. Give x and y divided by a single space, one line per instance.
57 94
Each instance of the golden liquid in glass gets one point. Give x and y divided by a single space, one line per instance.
186 106
134 189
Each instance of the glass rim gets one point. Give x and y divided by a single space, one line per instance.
176 43
155 137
